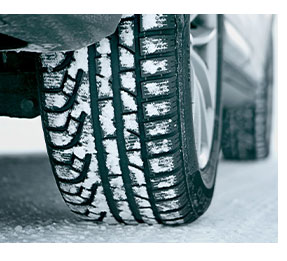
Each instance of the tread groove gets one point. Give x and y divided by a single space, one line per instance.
98 136
71 101
83 173
141 115
120 129
74 140
81 119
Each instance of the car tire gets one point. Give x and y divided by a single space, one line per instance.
117 120
246 127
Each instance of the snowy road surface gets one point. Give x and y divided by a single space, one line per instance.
244 208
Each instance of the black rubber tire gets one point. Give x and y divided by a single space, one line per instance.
119 135
246 128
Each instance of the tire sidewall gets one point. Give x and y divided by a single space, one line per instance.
199 193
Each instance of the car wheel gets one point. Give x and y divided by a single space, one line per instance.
132 123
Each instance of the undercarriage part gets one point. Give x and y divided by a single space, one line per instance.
18 86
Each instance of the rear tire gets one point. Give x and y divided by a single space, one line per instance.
117 120
246 128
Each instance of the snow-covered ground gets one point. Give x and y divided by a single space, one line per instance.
244 208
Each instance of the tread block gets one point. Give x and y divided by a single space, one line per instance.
86 194
129 102
158 66
70 188
131 123
132 141
166 181
66 173
172 204
126 34
78 164
103 47
135 158
156 22
176 214
52 60
125 212
160 127
69 86
157 44
62 155
140 192
165 164
73 127
180 221
107 118
78 209
127 60
159 87
53 80
60 139
162 145
55 100
147 215
104 87
112 156
74 199
128 81
159 108
162 164
169 193
57 120
99 202
91 215
142 202
118 190
103 65
137 176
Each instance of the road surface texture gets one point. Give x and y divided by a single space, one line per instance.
244 208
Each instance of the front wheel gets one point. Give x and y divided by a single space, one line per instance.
132 123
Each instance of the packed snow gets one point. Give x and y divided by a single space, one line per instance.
244 208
